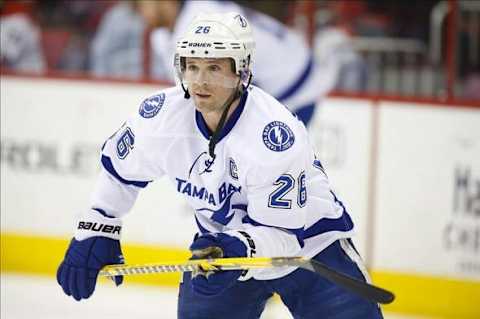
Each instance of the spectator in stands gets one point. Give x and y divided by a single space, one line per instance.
67 29
20 41
342 65
117 47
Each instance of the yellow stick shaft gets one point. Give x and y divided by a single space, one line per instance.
204 264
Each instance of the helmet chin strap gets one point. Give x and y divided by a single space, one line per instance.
186 93
216 134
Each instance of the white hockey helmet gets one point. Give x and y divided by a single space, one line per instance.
218 35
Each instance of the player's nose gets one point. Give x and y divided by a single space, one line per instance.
204 77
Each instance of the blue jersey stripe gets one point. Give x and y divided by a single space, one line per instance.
299 82
343 223
102 212
298 232
202 229
107 164
305 112
240 206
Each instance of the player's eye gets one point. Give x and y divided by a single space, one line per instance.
192 67
214 67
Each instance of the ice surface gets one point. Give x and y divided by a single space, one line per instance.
27 297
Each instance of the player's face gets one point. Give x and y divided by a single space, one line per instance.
210 82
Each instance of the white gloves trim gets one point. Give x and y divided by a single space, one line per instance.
92 224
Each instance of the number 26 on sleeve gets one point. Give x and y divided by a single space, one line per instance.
286 183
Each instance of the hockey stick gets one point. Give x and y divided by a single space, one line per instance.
359 287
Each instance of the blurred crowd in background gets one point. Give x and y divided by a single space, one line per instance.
380 46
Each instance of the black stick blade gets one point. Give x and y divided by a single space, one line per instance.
357 286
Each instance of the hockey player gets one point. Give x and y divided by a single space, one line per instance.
245 166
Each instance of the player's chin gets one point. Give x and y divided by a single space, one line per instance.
202 105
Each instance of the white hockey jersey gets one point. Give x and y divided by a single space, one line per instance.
264 180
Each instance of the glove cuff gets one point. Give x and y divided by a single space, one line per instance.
245 238
92 224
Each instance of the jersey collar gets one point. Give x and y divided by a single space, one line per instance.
202 125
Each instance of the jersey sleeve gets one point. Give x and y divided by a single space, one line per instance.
277 193
276 186
132 155
130 159
277 199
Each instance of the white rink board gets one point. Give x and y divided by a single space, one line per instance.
52 132
341 134
426 222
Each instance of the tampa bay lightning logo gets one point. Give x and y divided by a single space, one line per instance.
241 20
152 105
277 136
